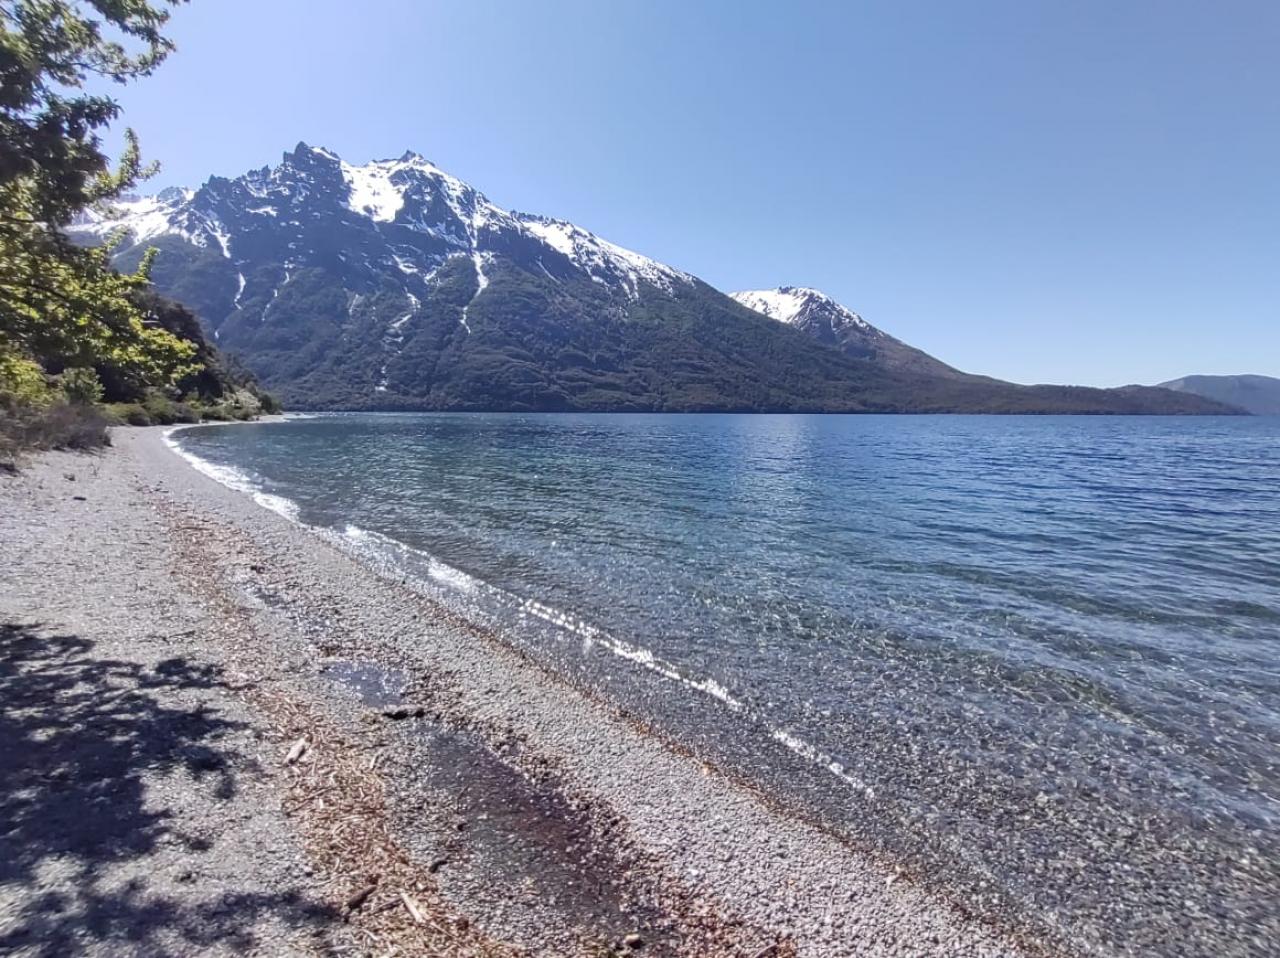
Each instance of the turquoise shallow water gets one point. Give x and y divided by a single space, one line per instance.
1036 658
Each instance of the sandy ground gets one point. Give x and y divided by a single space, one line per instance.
222 734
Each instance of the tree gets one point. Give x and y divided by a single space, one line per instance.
49 49
59 304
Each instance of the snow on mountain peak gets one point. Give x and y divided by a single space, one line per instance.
410 192
795 304
146 217
372 192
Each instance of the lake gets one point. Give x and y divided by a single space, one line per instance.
1034 659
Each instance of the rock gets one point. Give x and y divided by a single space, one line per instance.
398 712
633 941
295 753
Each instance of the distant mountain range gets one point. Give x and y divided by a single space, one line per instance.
394 285
1259 395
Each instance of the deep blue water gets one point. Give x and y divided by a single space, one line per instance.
1037 657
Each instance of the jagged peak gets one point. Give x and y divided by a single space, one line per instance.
381 190
172 194
305 151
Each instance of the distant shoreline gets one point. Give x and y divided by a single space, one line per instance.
304 413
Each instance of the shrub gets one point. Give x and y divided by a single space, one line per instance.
159 408
22 382
269 404
128 414
72 426
163 411
184 412
60 425
81 385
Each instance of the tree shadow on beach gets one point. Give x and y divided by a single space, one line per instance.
78 733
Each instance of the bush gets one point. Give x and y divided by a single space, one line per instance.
60 425
128 414
81 385
22 383
183 412
163 411
159 408
270 404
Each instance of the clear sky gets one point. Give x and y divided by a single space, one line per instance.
1041 190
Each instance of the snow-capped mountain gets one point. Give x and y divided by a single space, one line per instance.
423 215
800 306
396 285
836 325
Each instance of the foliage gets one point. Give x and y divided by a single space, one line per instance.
49 128
268 403
62 305
163 411
127 414
81 385
22 382
59 425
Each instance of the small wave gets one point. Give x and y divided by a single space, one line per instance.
821 758
388 555
233 478
383 549
592 635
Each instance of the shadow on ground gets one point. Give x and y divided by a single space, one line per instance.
78 733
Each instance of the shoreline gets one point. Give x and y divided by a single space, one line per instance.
516 810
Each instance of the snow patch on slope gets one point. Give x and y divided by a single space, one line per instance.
393 339
603 261
219 232
793 304
372 192
145 217
477 260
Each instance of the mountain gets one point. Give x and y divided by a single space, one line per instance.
827 321
394 285
1259 395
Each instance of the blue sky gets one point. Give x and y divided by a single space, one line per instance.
1043 191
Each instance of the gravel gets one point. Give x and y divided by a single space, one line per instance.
139 811
530 816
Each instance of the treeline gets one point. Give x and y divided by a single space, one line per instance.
81 343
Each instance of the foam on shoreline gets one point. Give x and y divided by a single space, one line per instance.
234 479
712 839
407 563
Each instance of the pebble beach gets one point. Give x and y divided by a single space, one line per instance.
323 760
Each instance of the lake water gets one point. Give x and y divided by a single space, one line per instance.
1034 659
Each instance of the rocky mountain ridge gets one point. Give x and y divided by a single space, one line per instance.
395 285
